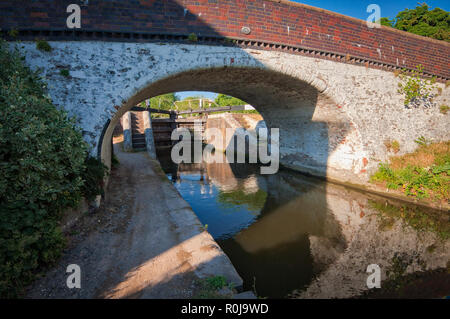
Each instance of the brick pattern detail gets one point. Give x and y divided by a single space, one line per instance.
289 25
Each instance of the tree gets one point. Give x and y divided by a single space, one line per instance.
226 100
386 22
422 21
163 102
191 102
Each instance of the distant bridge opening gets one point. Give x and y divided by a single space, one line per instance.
168 112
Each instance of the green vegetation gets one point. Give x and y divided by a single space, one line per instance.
209 288
13 33
422 284
399 265
422 21
393 146
444 109
415 88
254 201
43 169
415 217
192 103
192 37
115 161
64 73
163 102
226 100
93 175
170 102
424 173
228 41
42 45
422 141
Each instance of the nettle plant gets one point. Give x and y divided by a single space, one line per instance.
417 90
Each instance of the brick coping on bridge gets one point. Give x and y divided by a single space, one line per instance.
274 25
339 15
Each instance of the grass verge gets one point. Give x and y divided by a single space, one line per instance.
423 174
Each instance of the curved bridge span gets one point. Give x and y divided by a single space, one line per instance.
324 79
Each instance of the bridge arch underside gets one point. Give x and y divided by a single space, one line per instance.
316 137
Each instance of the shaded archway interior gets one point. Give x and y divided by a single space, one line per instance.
284 101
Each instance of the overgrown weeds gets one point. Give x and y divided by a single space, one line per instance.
424 173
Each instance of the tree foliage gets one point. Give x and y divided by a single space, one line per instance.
226 100
422 21
171 102
163 102
191 102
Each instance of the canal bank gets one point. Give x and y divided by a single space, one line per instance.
246 127
144 242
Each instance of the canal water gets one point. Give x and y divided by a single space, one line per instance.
289 235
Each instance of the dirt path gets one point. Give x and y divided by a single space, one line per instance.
144 242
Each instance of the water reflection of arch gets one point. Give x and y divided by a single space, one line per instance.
294 226
295 237
316 237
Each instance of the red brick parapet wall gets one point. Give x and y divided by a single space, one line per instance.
280 25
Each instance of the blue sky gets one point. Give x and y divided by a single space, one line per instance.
356 9
210 95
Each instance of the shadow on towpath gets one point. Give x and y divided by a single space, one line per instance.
144 242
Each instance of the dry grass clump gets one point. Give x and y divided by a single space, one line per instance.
424 156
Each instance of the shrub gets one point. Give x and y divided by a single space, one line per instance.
192 37
115 161
93 175
422 141
42 164
42 45
13 33
417 91
64 73
444 109
208 288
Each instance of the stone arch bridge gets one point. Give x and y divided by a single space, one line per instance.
326 80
